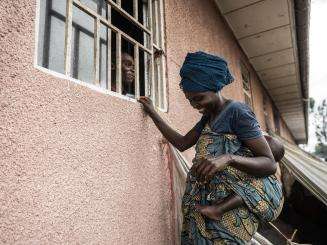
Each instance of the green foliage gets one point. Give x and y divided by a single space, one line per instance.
321 122
321 150
311 104
320 116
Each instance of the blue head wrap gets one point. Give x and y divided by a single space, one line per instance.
203 72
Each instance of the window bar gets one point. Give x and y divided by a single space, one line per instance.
164 83
112 27
46 36
161 24
151 90
96 51
158 67
136 71
136 9
163 59
146 75
118 64
119 3
247 93
127 15
145 9
156 46
152 87
68 36
109 49
132 40
156 19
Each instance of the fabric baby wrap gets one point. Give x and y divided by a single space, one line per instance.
263 197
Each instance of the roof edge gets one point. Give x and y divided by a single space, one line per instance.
302 22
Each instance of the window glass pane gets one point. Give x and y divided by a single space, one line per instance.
57 45
127 5
103 56
104 66
128 27
113 61
154 22
59 6
82 46
158 23
51 44
147 41
99 6
143 16
127 68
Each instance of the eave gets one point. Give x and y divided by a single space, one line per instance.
274 36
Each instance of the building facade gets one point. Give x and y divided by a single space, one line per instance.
80 161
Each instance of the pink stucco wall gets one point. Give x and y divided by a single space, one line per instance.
79 166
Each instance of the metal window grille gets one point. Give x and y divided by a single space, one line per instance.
99 12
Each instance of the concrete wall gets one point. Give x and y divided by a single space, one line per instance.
77 166
81 166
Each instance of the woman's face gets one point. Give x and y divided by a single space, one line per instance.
201 101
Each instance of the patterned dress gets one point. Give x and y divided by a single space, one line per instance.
263 197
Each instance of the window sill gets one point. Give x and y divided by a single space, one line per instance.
91 86
85 84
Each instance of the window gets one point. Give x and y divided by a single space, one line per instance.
276 120
116 45
265 111
246 85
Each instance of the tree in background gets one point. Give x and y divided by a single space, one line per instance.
320 120
311 104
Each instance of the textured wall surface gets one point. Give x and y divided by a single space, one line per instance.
79 166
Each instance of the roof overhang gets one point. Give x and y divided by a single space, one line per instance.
274 36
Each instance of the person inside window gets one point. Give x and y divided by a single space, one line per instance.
128 75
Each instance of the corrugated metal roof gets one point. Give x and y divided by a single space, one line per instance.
308 170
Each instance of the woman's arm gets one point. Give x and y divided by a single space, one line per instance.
246 127
181 142
261 165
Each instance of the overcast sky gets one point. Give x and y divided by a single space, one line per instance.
318 49
318 57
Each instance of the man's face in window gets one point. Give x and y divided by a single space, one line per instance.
127 65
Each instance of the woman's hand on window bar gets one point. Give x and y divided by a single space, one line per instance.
147 104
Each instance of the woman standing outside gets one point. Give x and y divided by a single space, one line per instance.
230 186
